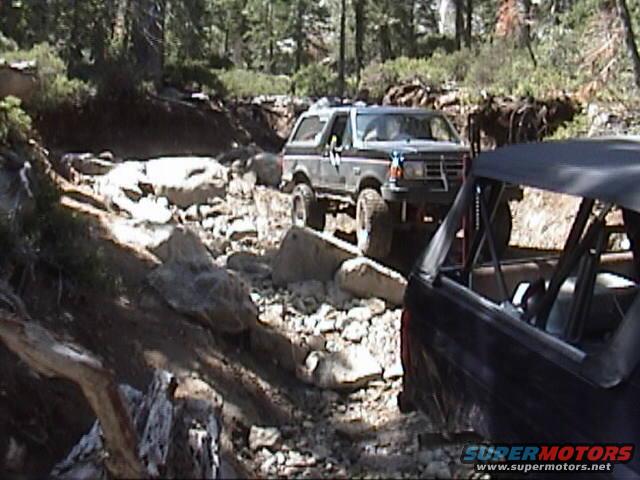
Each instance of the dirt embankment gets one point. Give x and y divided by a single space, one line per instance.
145 126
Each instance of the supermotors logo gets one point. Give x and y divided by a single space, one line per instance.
539 458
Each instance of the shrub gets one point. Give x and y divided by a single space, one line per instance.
49 236
436 70
315 80
15 124
7 44
54 86
192 73
247 83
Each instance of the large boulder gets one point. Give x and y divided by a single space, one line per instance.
88 164
305 254
191 283
364 278
351 368
286 349
267 168
17 81
186 181
150 236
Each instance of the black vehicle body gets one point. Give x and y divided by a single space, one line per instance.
341 171
392 168
475 359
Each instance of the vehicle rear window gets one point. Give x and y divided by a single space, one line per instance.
309 130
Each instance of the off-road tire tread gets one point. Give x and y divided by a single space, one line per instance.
315 212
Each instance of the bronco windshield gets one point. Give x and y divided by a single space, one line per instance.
395 127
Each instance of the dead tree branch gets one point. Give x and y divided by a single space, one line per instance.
38 347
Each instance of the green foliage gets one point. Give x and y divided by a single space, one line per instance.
54 86
15 124
315 80
52 237
436 70
578 127
196 74
246 83
7 44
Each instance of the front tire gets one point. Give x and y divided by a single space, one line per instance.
374 225
306 211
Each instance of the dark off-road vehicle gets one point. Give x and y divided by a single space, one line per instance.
533 347
392 168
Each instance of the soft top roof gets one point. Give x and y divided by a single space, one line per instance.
607 169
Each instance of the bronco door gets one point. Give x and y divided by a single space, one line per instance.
331 167
477 356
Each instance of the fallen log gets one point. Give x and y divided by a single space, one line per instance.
135 435
37 347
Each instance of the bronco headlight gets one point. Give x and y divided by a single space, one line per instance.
413 170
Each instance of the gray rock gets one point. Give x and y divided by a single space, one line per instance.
326 326
337 296
438 469
395 371
285 349
238 153
360 314
305 254
351 368
376 305
243 186
241 229
192 284
186 181
150 236
264 437
248 263
122 185
88 164
355 332
308 289
267 168
272 315
365 278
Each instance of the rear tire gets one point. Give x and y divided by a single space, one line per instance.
306 211
374 225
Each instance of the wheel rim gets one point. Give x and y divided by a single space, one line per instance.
299 216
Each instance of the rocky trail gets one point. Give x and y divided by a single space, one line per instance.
289 334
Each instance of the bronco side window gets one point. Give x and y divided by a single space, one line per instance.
309 130
339 129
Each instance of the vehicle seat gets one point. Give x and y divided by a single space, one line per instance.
612 296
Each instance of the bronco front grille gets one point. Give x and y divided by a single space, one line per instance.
450 167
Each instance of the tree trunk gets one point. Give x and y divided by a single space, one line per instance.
469 27
629 38
343 46
411 28
148 38
385 43
299 34
271 33
360 17
459 9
